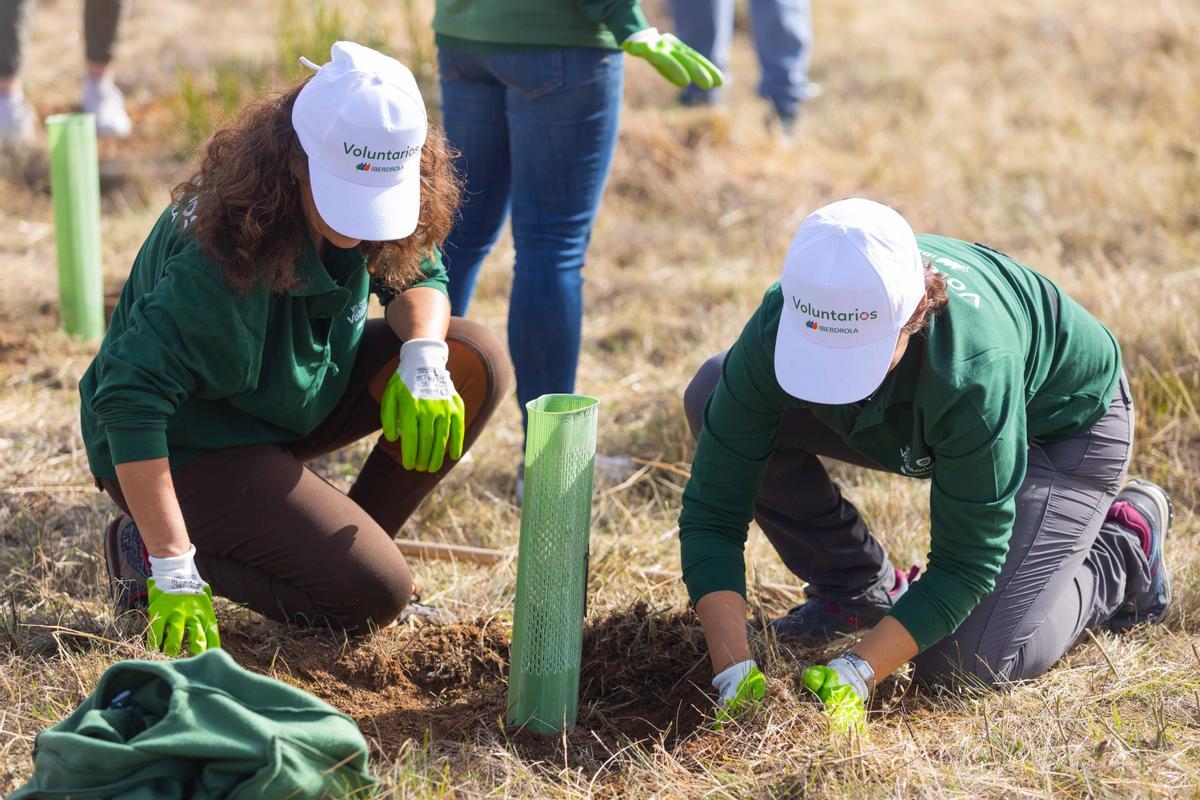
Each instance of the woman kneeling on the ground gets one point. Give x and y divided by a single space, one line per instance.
240 349
932 358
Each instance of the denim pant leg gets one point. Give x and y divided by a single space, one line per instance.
783 35
563 109
1068 567
473 113
818 533
706 26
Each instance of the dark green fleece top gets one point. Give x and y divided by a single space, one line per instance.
189 364
1012 358
198 728
496 26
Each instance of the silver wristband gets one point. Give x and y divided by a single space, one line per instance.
861 666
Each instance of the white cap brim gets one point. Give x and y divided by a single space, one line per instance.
830 375
370 213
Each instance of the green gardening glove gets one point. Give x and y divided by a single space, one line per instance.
841 701
180 607
673 59
421 407
741 689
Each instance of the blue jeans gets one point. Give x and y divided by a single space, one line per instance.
783 36
535 134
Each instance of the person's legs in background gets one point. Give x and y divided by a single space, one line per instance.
17 117
473 115
783 35
563 110
101 24
706 26
101 97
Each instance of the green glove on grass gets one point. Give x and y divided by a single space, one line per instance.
174 617
742 688
841 702
673 59
421 407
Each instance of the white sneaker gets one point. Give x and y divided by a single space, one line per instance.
17 119
102 98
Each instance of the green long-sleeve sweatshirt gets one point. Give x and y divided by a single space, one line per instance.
1010 359
506 25
189 364
198 728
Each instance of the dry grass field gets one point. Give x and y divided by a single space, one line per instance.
1065 132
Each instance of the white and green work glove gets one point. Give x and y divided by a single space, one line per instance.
180 607
740 689
421 407
673 59
843 691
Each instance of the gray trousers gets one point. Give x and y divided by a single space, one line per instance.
1068 567
100 21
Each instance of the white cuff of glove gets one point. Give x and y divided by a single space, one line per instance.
850 676
645 35
416 353
727 682
177 574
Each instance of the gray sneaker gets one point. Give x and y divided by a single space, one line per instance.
18 120
824 616
102 98
1152 503
128 564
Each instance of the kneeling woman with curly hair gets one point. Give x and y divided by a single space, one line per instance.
240 349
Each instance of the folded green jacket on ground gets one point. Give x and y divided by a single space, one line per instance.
200 727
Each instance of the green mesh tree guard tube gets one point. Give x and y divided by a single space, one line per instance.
75 184
547 644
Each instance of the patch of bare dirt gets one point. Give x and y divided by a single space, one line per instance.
641 679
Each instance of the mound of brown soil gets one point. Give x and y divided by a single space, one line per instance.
641 679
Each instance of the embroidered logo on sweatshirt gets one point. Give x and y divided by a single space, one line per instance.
917 468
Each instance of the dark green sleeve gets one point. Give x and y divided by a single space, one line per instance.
433 275
622 17
737 438
191 336
981 452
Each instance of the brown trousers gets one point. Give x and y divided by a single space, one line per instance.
271 534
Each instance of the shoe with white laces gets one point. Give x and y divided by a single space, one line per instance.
18 121
102 98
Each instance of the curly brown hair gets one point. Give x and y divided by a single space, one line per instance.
931 304
249 215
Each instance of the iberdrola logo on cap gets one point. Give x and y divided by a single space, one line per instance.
370 156
847 316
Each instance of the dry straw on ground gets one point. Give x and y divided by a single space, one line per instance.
1061 131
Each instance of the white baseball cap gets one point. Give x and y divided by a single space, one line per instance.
362 123
851 280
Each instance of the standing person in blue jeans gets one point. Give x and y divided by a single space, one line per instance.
783 34
531 95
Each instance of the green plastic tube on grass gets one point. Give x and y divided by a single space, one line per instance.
75 186
552 563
